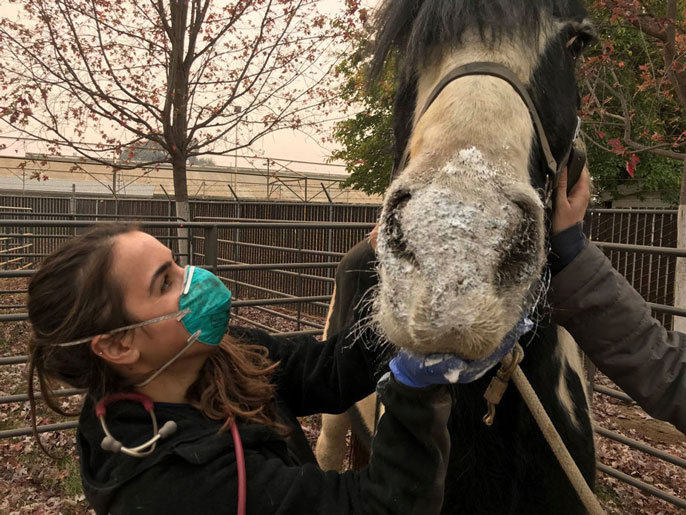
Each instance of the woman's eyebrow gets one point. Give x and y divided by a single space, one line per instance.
162 269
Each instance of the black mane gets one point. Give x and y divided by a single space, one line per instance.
414 27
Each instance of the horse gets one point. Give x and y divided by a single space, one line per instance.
485 118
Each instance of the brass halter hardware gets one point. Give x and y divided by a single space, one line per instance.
500 380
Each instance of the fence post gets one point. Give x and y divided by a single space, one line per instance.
329 244
236 237
169 217
267 180
189 245
679 323
299 287
72 206
211 247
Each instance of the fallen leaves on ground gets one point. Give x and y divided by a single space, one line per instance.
33 483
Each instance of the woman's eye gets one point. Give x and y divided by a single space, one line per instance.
165 283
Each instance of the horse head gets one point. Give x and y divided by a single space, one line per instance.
462 241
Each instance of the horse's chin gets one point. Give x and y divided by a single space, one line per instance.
470 325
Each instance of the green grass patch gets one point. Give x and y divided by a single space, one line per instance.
71 486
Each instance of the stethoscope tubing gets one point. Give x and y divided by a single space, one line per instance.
240 465
110 443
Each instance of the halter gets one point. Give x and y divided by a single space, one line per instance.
553 168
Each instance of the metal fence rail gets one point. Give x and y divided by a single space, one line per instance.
208 247
272 242
640 446
651 274
650 489
281 264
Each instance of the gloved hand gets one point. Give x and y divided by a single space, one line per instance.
419 371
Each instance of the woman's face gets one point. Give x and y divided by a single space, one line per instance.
151 284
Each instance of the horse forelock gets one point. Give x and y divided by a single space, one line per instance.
416 27
422 30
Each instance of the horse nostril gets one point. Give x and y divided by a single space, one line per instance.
399 199
394 233
517 258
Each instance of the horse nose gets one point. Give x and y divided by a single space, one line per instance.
398 200
517 261
393 221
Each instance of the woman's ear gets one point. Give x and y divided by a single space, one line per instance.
117 351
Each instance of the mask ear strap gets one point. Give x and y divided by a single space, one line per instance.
178 315
191 341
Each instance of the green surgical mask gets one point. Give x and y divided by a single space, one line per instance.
204 308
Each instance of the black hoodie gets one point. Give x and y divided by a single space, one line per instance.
194 469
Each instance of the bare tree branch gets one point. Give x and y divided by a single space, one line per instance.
128 72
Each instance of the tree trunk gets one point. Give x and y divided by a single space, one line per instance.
182 209
176 126
680 279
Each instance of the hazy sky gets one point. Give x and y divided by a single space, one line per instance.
298 146
286 144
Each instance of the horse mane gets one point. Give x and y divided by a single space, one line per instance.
413 28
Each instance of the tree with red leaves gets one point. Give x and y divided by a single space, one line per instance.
635 89
635 97
181 75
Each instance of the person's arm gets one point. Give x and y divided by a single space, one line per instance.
614 326
406 473
321 377
611 322
331 376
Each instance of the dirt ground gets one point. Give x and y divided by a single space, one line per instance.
32 483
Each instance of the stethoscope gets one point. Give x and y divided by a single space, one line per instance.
110 443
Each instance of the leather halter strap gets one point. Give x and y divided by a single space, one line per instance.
502 72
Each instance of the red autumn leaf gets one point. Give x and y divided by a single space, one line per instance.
631 164
616 146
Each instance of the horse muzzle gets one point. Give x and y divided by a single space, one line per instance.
456 266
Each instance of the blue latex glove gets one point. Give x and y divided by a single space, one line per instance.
419 371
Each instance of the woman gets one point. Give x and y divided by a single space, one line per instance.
82 304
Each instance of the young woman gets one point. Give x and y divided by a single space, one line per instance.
112 313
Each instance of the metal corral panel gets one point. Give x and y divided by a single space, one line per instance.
66 186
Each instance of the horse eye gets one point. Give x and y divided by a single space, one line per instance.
576 46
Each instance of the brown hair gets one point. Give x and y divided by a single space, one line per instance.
74 296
